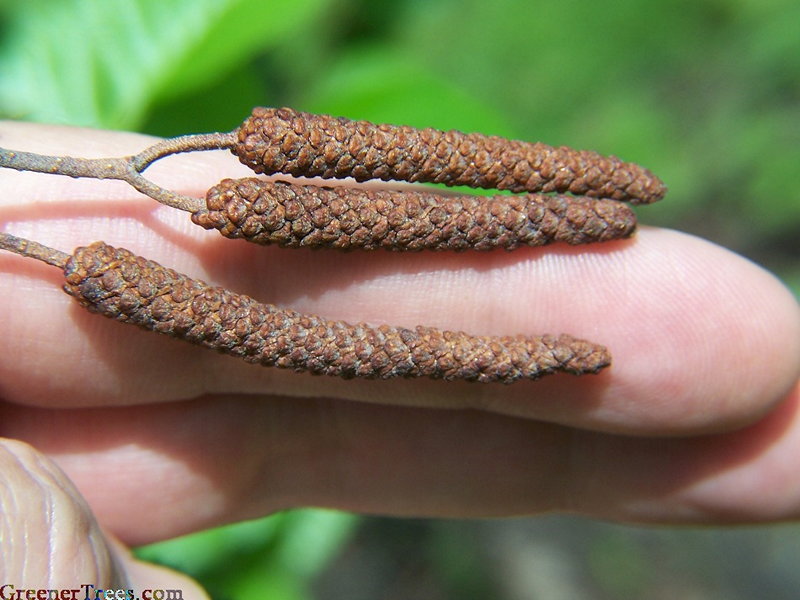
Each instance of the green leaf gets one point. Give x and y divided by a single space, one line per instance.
203 551
104 62
268 583
381 85
311 539
244 26
219 107
280 553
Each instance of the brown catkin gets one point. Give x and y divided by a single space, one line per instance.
295 216
120 285
282 140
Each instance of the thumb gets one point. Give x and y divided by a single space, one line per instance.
50 540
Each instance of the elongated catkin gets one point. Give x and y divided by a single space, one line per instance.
120 285
282 140
345 218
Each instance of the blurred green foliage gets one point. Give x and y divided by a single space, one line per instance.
275 557
706 93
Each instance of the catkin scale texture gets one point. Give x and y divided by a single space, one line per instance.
282 140
120 285
346 217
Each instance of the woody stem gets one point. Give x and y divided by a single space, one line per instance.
33 249
127 169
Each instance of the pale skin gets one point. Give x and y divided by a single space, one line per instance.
696 421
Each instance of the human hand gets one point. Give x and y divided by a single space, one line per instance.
696 420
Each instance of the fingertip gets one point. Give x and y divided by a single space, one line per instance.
713 340
702 340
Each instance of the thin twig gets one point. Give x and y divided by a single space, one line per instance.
128 169
177 145
163 195
94 168
32 249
